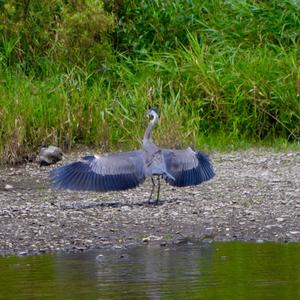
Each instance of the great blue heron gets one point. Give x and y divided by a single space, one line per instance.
126 170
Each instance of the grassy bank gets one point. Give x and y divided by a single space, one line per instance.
233 80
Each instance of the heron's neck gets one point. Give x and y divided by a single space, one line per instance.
148 132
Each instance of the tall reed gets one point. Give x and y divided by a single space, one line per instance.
230 78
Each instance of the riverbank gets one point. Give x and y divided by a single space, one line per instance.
255 196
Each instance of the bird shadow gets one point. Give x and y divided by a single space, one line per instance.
115 204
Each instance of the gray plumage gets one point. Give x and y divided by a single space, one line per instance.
125 170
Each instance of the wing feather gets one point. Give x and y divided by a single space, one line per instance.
110 172
188 167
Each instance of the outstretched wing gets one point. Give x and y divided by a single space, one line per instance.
109 172
188 167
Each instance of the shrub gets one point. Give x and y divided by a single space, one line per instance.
64 32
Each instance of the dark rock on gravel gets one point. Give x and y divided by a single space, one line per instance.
255 196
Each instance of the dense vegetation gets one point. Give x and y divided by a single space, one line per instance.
222 73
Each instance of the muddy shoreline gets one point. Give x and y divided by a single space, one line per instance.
255 196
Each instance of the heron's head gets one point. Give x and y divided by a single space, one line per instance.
152 113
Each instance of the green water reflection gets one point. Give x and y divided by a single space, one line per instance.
194 271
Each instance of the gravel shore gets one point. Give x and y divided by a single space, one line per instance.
255 196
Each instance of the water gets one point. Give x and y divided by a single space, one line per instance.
191 271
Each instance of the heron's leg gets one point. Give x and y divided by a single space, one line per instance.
153 185
158 189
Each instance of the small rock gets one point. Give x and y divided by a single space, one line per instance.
117 247
279 219
125 208
163 244
80 248
294 232
180 240
8 187
151 238
124 256
100 257
50 155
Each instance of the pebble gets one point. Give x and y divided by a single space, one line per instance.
100 257
294 232
151 238
8 187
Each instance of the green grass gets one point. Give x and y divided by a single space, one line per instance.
233 82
